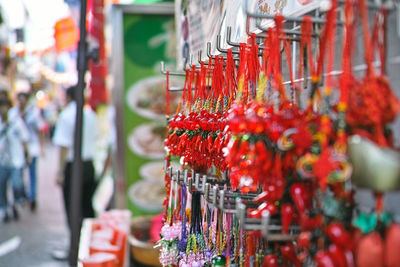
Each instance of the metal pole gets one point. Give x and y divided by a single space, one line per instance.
76 183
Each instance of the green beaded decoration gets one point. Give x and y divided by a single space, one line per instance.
200 242
219 260
189 244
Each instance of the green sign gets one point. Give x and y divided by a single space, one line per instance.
147 40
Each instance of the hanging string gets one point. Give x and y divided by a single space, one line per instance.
379 37
277 57
189 90
242 84
183 238
253 65
262 82
306 31
183 98
367 41
167 98
287 48
347 78
230 82
331 31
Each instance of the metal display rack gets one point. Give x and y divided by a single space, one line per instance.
217 192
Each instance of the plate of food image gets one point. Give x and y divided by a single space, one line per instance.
154 171
147 195
147 97
147 140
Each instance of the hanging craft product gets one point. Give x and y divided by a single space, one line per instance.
373 103
267 182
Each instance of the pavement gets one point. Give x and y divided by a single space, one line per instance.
29 241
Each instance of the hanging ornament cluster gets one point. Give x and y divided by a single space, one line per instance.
196 133
286 159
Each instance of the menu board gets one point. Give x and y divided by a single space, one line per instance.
147 40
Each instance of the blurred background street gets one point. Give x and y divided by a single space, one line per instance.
41 232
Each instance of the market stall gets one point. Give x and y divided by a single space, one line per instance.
280 137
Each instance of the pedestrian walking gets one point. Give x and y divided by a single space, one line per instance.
30 114
64 139
13 156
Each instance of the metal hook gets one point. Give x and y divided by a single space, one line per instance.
170 172
190 185
165 166
199 57
203 186
234 52
176 194
223 50
173 73
214 196
207 191
240 211
265 216
208 50
221 199
229 36
185 176
197 180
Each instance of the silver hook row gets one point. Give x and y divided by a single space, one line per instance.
271 232
173 73
232 203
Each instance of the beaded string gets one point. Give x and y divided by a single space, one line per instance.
231 80
275 49
242 85
331 29
183 239
169 207
253 65
262 83
183 98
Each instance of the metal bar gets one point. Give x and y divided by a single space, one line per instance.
262 36
286 31
314 20
77 166
234 52
174 89
281 237
361 67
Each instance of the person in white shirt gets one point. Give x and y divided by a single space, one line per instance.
64 139
13 156
30 114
